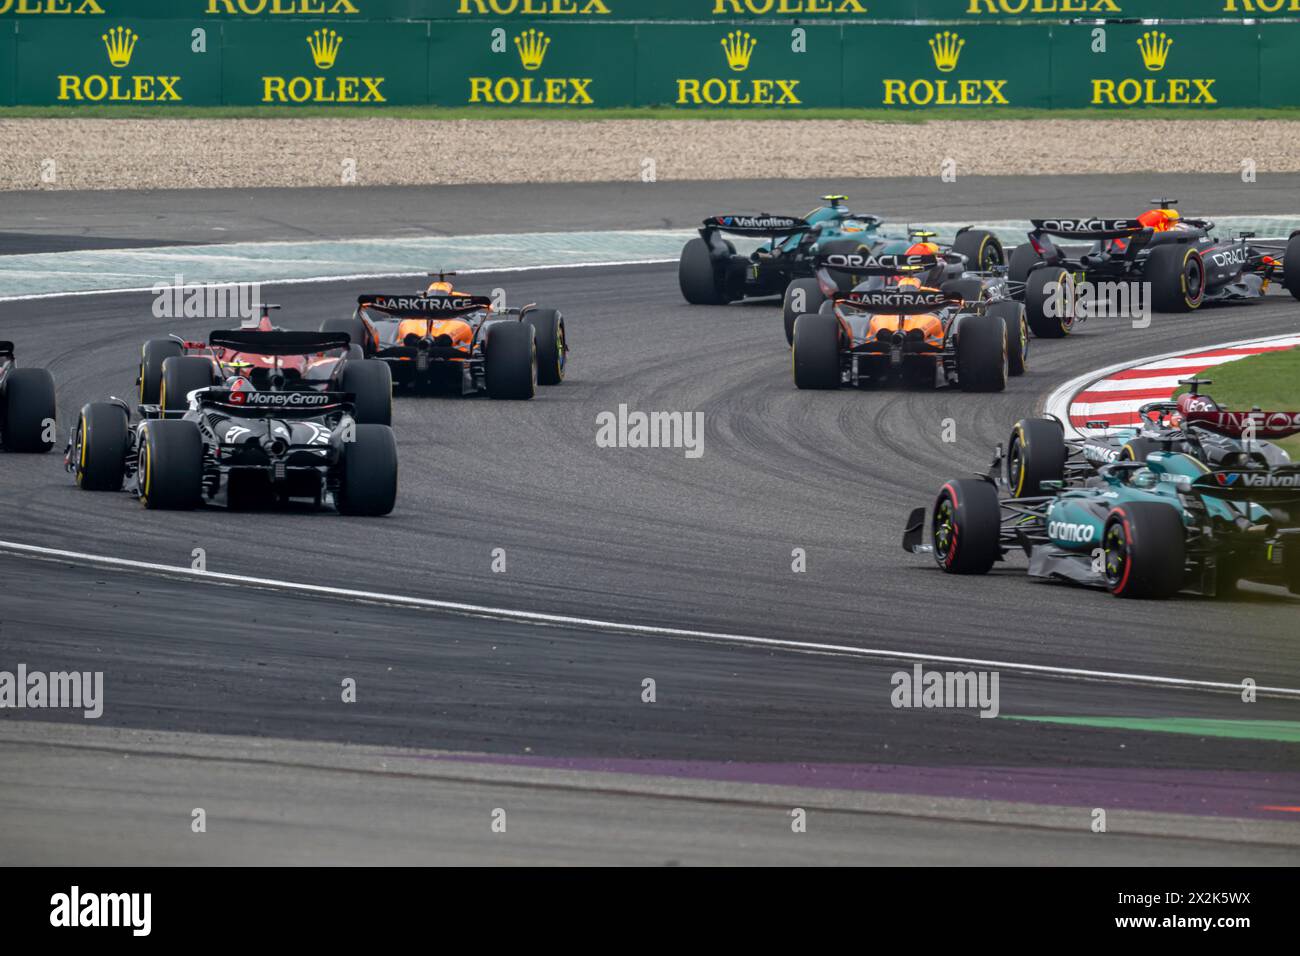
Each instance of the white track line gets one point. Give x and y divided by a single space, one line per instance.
534 617
356 277
1058 402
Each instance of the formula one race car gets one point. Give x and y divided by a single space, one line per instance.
26 405
446 338
1039 454
711 272
1184 263
1140 529
262 445
972 267
172 368
905 321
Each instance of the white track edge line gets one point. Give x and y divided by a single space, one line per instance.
536 617
342 278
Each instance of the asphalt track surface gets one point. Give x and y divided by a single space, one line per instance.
645 537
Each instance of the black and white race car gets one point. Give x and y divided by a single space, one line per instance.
259 445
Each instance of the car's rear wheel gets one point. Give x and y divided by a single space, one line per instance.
981 353
152 355
171 465
802 296
1137 449
356 330
1024 260
511 361
702 281
552 349
982 249
1036 453
99 447
966 527
1049 302
29 409
1177 276
182 374
815 351
368 485
371 382
1013 317
1144 550
1291 265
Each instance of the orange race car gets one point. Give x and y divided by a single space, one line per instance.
445 338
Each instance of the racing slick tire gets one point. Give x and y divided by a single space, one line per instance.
1291 568
700 280
1137 449
982 249
511 361
981 353
28 406
152 355
1051 316
1036 453
1144 550
99 447
371 381
1013 316
182 374
1177 276
810 290
1291 265
966 526
171 465
368 485
1024 260
815 351
548 329
357 332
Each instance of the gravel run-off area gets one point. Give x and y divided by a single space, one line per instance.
198 153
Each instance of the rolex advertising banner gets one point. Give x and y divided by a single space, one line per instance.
738 67
1060 11
8 65
319 63
1279 65
532 64
1126 66
962 66
123 62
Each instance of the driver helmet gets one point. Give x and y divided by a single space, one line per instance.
1161 220
438 287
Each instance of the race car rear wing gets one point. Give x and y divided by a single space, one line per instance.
898 301
761 224
1089 229
866 264
424 306
1271 486
279 342
1260 425
281 404
6 349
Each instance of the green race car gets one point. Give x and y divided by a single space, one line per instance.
1140 529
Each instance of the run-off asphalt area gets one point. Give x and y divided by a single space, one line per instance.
642 536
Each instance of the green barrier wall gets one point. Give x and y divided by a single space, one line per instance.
532 64
638 10
912 67
1195 65
573 65
320 63
126 61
